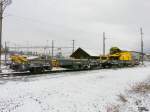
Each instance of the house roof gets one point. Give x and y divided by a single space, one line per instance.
80 53
80 50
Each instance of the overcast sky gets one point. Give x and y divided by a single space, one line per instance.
36 21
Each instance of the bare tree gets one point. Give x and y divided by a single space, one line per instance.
3 5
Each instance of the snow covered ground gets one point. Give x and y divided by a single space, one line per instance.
137 99
87 91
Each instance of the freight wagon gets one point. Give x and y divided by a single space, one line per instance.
116 58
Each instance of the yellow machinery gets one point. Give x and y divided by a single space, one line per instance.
117 54
118 58
19 59
125 55
35 65
19 63
55 63
122 56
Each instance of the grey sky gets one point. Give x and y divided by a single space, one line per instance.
36 21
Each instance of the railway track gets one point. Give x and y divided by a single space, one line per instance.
45 72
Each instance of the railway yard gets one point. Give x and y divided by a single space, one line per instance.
79 60
90 91
74 56
75 84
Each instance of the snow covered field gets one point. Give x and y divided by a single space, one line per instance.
90 91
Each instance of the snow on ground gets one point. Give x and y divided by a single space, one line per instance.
136 103
137 98
90 91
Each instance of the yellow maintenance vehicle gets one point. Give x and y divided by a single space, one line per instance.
19 63
33 64
118 58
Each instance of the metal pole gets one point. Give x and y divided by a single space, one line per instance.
47 47
1 17
142 45
73 43
104 38
15 48
5 53
52 49
27 43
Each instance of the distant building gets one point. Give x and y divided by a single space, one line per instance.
82 54
148 57
138 55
